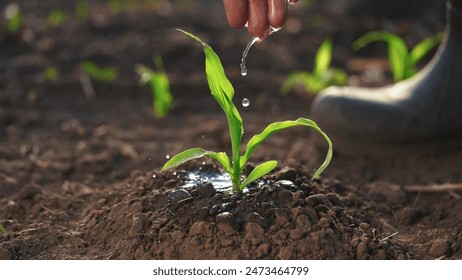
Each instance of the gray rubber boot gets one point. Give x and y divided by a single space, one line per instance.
424 112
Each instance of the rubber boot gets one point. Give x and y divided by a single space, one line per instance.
421 113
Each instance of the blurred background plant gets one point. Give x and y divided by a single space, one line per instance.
159 84
403 61
58 17
322 76
14 18
2 230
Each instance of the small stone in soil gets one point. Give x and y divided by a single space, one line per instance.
178 195
255 218
206 190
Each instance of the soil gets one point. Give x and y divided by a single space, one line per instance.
80 173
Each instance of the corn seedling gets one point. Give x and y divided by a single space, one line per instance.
2 230
323 74
14 19
82 9
223 92
50 74
57 18
403 61
106 74
160 87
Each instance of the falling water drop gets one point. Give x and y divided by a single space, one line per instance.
167 156
245 102
245 53
247 49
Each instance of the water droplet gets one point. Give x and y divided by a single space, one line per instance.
167 156
154 176
247 49
245 102
244 71
245 53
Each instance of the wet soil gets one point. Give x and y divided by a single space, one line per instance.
80 172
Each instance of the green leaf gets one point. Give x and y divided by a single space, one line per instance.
14 19
160 87
195 153
107 74
272 128
295 78
397 51
223 159
323 58
424 47
183 157
258 172
2 230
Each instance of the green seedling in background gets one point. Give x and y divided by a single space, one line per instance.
223 92
162 98
2 230
50 73
403 62
106 75
57 18
14 19
82 9
323 74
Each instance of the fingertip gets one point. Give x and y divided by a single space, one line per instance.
277 12
236 12
258 23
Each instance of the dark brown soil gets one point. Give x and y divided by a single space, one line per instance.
80 175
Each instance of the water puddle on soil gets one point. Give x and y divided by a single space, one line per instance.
222 182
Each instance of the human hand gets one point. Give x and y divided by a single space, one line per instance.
259 15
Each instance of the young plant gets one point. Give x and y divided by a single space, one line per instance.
223 92
82 9
14 19
403 62
107 74
162 99
50 73
57 18
2 230
323 74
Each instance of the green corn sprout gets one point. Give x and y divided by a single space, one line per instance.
107 74
223 92
57 18
50 73
403 62
2 230
162 99
14 19
82 9
323 74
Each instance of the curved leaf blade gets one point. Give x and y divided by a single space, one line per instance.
272 128
397 51
2 230
195 153
323 58
183 157
258 172
424 47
